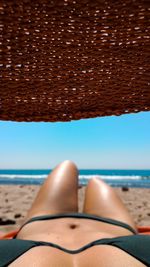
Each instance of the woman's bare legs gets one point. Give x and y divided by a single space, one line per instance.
102 200
59 192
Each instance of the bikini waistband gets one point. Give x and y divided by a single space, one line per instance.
80 216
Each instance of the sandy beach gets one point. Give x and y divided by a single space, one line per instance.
15 200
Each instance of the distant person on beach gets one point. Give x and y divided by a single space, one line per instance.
54 234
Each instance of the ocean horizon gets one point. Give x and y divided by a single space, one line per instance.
114 177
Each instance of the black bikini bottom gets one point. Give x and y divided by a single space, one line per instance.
79 216
136 245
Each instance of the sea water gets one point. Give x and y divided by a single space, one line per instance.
116 178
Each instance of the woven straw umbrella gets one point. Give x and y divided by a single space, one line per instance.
66 60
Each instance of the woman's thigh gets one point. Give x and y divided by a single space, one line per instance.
102 200
59 192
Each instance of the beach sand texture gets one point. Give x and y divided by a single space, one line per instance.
15 200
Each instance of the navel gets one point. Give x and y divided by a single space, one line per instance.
73 226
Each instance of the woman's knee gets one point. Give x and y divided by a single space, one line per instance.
97 184
69 163
97 181
65 165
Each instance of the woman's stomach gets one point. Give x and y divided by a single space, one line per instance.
70 233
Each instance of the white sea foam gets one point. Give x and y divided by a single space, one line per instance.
119 177
14 176
43 176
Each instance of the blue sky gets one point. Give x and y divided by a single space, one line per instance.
114 142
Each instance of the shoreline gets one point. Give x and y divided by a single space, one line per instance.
125 182
15 200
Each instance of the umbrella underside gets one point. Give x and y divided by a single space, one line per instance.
69 60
